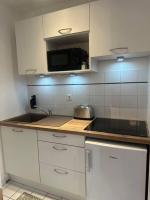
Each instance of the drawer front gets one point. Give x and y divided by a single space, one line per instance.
64 180
62 138
62 155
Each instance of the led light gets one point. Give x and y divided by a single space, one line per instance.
72 74
120 58
42 75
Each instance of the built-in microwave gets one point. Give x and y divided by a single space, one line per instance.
67 59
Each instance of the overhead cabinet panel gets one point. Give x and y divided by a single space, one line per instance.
68 21
31 47
117 24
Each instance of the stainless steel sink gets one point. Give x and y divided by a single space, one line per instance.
28 118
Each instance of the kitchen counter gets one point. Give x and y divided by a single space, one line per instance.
75 126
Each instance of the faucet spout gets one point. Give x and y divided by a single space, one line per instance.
50 112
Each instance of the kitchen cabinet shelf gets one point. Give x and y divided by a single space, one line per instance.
71 72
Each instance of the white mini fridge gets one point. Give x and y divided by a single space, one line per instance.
115 171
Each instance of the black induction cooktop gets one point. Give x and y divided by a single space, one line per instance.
119 126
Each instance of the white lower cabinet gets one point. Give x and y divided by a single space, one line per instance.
68 183
58 166
115 171
21 153
62 155
62 163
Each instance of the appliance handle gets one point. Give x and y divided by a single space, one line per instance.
65 31
88 160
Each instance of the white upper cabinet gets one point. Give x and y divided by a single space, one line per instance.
31 47
68 21
117 24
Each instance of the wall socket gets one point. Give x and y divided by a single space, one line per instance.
68 97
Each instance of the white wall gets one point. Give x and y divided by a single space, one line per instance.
12 88
148 107
148 119
117 90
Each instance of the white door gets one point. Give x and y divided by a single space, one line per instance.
21 152
68 21
31 47
116 172
118 24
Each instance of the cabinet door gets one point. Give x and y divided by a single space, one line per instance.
21 153
31 47
118 24
116 172
68 21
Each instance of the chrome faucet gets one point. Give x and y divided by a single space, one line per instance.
48 112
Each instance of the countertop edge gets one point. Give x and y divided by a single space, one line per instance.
91 134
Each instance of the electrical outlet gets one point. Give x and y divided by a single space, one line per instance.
68 97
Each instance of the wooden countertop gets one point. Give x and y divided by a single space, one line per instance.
74 126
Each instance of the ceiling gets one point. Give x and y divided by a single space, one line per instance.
37 7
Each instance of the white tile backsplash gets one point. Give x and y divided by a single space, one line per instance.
129 101
112 101
128 113
112 112
117 90
97 89
142 88
112 89
112 77
129 89
129 76
142 102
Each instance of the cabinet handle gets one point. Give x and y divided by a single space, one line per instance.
62 172
113 157
88 160
17 131
119 50
59 149
59 136
31 70
65 31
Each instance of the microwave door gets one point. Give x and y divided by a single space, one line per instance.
58 61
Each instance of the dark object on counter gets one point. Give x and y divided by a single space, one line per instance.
33 103
119 126
84 112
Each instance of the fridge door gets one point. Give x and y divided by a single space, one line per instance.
115 171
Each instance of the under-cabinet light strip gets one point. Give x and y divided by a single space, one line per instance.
65 84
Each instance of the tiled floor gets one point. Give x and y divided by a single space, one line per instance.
12 190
